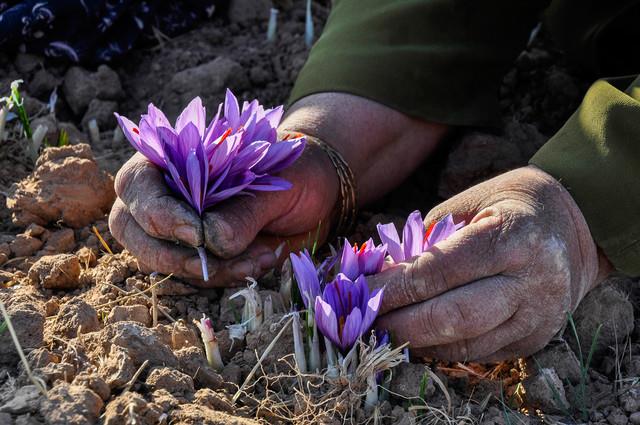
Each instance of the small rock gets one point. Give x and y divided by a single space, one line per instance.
66 186
545 391
407 378
194 363
56 272
232 373
101 111
51 307
264 335
87 257
3 258
171 380
5 249
229 347
40 357
36 231
617 417
95 383
59 242
207 80
216 400
74 318
118 369
134 313
28 322
630 400
130 404
24 246
71 404
634 418
43 83
25 63
80 87
558 355
24 400
604 305
245 11
57 372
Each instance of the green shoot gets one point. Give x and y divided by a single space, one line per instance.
505 414
556 395
16 99
584 366
3 327
315 241
63 138
422 392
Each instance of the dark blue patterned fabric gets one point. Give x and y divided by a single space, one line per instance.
93 30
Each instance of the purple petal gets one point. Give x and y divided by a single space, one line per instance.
351 330
349 261
373 306
441 231
306 276
326 320
194 114
389 236
194 178
270 184
156 117
413 235
249 156
280 156
231 110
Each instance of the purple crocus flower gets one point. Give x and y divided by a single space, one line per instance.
236 153
307 277
367 259
415 238
346 310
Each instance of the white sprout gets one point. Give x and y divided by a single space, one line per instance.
210 341
308 27
252 313
298 345
94 132
272 28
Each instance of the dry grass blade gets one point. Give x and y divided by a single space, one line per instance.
40 385
378 359
101 239
135 376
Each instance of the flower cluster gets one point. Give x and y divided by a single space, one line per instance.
237 152
343 308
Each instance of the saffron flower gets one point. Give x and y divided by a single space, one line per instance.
307 277
237 153
415 238
346 310
367 259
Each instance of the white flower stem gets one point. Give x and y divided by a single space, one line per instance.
298 345
314 350
332 361
372 392
268 307
3 119
203 259
212 349
94 132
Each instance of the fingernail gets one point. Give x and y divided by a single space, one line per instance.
193 266
242 268
186 234
267 260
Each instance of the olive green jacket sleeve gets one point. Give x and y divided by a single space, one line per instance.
596 156
439 60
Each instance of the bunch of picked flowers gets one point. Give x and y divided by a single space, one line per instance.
343 309
237 153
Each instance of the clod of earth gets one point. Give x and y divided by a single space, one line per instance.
66 186
56 272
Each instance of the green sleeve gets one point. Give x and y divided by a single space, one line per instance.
596 156
439 60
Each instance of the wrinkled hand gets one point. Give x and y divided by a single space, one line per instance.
501 286
160 230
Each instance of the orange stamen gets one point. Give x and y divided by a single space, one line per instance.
364 245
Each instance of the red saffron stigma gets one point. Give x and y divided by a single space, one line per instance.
135 130
429 230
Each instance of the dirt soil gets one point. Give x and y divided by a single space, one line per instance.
83 311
